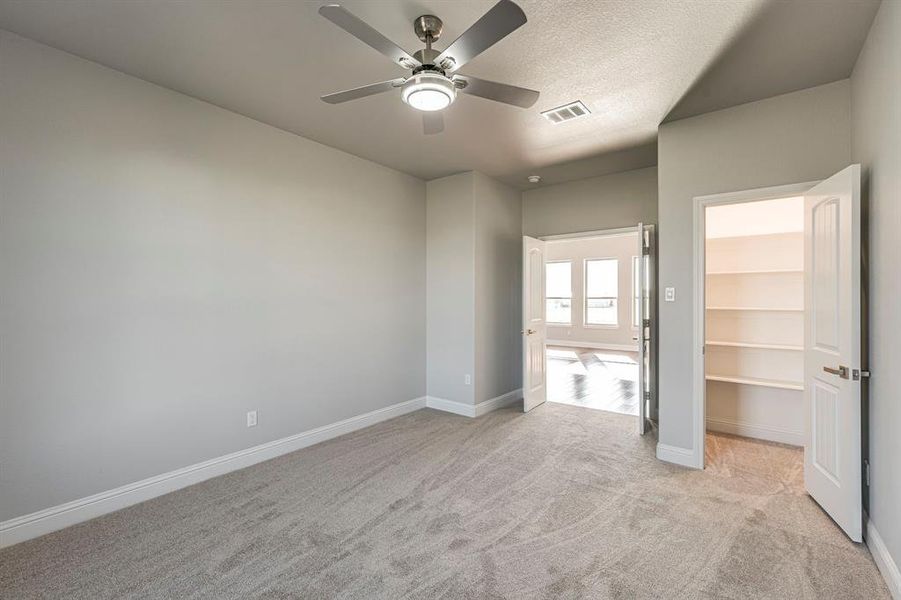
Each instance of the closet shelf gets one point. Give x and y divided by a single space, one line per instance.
756 308
772 383
756 272
792 347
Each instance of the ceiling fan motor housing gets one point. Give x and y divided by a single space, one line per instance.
427 57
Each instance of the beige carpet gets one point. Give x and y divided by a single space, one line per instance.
564 502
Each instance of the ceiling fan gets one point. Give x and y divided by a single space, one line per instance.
434 82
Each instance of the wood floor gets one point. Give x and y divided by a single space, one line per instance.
599 379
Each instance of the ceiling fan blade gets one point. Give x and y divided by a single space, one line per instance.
432 122
363 91
365 33
499 92
495 25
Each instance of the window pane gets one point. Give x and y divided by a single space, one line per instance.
647 287
636 291
600 278
559 310
600 311
558 281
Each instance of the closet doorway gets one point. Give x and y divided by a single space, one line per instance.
779 336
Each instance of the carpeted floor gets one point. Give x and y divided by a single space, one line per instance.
564 502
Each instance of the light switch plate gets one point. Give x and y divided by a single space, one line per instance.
669 294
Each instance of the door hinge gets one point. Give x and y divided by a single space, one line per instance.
645 251
647 396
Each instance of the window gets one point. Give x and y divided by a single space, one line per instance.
559 292
636 289
601 290
636 292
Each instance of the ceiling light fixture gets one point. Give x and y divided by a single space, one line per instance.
435 80
429 91
534 178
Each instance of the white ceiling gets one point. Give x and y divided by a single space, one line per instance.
630 61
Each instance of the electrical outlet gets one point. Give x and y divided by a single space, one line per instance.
467 379
669 294
252 418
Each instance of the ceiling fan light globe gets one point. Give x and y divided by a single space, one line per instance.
428 100
429 92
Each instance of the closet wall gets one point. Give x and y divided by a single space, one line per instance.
755 319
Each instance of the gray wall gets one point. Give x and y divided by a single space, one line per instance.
474 262
605 202
498 288
797 137
451 287
167 266
876 144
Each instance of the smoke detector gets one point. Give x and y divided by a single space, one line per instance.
534 178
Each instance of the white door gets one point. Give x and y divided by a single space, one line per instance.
639 293
832 459
534 372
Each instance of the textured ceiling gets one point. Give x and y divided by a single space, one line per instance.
630 61
789 46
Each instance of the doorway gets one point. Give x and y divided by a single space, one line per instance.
591 309
777 295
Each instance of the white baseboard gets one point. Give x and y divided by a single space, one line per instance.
763 432
51 519
474 410
887 565
595 345
451 406
498 402
680 456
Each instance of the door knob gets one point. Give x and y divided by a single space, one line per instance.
841 371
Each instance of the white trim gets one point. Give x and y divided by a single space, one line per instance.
474 410
680 456
763 432
501 401
54 518
884 561
699 277
451 406
597 233
595 345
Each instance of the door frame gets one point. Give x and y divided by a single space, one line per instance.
653 348
599 233
699 300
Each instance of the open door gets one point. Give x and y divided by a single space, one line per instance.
641 308
534 373
832 399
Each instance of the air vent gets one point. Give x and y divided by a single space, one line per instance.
567 112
